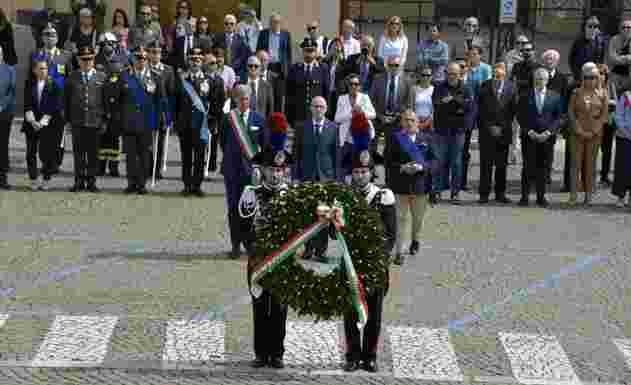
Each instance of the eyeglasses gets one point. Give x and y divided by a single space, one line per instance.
410 120
354 84
393 65
145 13
311 28
228 23
593 26
626 27
521 42
253 66
318 106
212 63
85 58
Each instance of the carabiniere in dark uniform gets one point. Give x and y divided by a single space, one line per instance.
270 316
85 111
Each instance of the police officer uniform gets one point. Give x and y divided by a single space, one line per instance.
85 111
192 93
59 67
382 200
112 64
166 74
304 82
270 316
141 99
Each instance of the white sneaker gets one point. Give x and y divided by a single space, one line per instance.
44 186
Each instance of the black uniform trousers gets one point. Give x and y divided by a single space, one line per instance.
6 120
84 147
138 148
567 166
278 86
606 146
270 319
466 157
493 154
552 139
59 150
364 348
41 143
193 153
535 165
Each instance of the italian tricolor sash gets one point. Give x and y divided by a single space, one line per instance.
240 130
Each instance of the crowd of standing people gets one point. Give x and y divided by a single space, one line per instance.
241 90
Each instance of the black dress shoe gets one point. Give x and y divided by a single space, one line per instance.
414 246
130 189
433 198
276 363
565 190
370 366
502 199
142 191
542 202
399 259
114 173
4 185
523 202
77 187
483 200
259 362
235 253
186 191
351 366
199 193
92 188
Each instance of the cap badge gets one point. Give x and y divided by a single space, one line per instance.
279 159
364 158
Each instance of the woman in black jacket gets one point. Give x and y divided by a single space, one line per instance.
6 40
409 164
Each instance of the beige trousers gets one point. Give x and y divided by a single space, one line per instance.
409 205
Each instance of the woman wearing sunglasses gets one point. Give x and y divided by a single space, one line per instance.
393 42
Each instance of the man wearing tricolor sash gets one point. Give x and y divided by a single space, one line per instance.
243 133
362 164
270 316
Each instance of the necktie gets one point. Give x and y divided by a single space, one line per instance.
317 129
391 90
539 101
253 98
499 90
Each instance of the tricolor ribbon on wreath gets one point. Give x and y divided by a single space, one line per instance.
326 216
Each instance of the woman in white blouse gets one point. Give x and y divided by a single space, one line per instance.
393 42
349 103
421 98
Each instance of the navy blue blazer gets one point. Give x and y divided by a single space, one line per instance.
51 104
549 118
239 52
284 46
314 153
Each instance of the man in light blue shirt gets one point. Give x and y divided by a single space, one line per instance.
434 53
7 109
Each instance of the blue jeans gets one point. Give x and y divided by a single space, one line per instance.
448 152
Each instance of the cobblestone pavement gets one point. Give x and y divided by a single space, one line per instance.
114 289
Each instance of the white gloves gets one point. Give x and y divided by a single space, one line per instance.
411 168
539 137
45 120
67 128
30 117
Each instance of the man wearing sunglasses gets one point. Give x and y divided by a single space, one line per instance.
142 101
261 96
237 50
313 31
513 56
620 57
590 47
86 114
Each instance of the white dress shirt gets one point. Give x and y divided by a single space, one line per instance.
40 88
320 125
540 98
344 115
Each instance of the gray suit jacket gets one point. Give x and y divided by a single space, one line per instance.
316 156
378 94
264 97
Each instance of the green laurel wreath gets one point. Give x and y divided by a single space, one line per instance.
308 293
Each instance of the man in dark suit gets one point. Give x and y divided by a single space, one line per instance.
539 114
166 75
389 94
143 32
185 40
237 50
496 112
262 96
366 64
317 153
218 100
243 132
277 43
559 84
305 81
142 101
85 112
276 80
